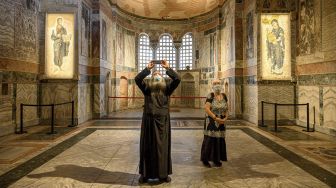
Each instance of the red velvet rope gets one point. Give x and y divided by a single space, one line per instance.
174 97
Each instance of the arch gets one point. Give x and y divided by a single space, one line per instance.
186 51
166 50
188 89
144 33
188 77
188 33
145 51
163 34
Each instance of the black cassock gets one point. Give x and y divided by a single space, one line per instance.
155 138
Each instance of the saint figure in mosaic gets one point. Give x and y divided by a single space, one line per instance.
276 47
61 43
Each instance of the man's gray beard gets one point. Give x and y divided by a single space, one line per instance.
157 86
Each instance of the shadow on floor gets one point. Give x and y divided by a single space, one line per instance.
89 175
43 134
289 134
252 165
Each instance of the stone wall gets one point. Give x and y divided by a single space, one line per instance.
249 75
226 44
229 68
202 28
315 63
85 64
55 91
19 63
257 89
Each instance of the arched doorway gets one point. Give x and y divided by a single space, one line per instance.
123 92
188 89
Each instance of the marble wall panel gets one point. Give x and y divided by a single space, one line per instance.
6 25
120 45
250 104
99 106
6 108
103 40
250 24
249 29
204 51
129 50
329 107
235 97
227 52
328 25
84 102
276 94
18 35
26 30
55 93
27 94
85 30
309 94
307 37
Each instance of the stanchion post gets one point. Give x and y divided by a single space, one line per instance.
314 119
21 118
307 117
52 119
275 117
308 129
72 114
262 113
21 121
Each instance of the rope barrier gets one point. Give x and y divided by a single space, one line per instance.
175 97
52 115
276 118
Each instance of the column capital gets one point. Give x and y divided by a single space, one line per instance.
154 44
178 44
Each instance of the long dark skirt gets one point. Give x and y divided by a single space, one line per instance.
155 147
213 149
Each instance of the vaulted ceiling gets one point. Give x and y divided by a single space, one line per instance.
168 9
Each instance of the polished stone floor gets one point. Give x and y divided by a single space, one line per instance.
105 153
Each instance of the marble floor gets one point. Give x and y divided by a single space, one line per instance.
175 113
105 153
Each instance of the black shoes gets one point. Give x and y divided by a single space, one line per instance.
206 164
167 179
142 180
218 164
145 180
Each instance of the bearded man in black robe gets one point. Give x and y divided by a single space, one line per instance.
155 137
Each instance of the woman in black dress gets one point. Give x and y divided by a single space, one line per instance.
216 108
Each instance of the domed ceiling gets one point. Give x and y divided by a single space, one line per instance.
168 9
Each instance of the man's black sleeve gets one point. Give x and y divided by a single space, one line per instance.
139 79
176 79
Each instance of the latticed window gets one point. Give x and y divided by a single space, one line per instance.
167 51
145 52
186 52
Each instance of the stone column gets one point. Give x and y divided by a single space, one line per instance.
177 58
154 46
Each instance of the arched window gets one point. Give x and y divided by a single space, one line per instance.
145 52
167 51
186 52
